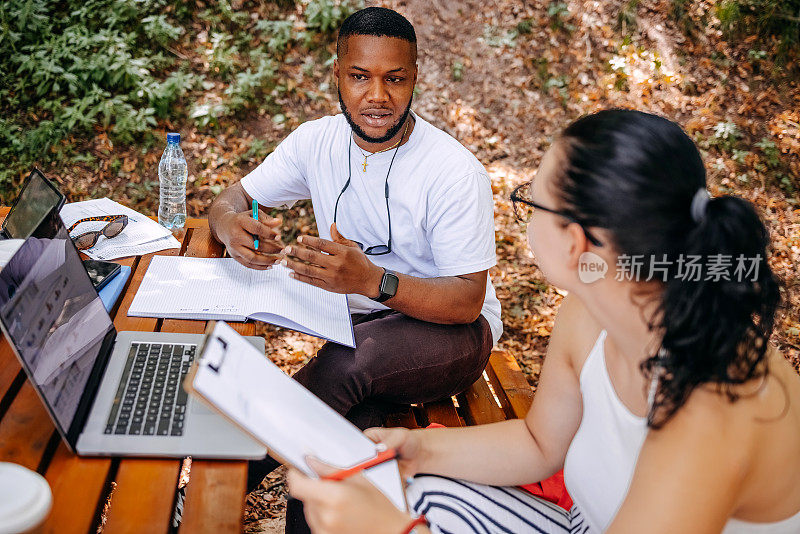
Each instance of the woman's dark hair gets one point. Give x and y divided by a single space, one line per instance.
636 175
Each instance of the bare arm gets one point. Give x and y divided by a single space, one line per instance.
511 452
340 266
445 300
231 222
507 453
233 199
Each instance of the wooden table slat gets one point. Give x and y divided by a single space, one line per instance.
78 485
481 407
9 367
203 245
506 376
144 497
25 429
443 412
215 497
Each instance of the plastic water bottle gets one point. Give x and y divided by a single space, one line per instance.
172 173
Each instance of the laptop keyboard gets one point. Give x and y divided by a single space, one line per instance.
150 399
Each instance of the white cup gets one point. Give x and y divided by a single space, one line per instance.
25 499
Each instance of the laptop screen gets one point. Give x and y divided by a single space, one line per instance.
54 318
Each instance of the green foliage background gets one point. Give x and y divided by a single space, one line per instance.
772 20
71 69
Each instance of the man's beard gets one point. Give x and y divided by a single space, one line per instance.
391 132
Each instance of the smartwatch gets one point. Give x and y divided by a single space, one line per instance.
388 285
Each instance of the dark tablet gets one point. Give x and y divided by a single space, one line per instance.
38 199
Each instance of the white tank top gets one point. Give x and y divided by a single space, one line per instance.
599 464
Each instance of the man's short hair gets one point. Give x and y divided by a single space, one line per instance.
377 21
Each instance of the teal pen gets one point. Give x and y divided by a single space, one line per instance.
255 216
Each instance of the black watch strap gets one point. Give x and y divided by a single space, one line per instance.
388 286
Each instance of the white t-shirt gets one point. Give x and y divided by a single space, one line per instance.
440 199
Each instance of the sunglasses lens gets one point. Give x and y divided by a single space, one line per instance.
113 228
377 250
87 240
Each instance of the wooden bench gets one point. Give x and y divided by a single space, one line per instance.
501 393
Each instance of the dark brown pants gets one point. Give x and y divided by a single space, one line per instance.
397 361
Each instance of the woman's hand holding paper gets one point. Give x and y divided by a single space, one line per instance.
407 443
348 506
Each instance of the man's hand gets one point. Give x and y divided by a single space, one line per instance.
338 265
237 231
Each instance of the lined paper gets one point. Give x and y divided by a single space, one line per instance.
222 288
293 423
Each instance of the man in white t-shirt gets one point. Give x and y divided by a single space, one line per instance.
405 216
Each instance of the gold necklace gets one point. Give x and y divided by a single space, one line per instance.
364 165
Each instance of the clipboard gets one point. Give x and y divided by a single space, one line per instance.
239 383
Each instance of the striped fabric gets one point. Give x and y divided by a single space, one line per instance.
457 507
177 513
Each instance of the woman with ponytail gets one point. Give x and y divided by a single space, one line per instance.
660 396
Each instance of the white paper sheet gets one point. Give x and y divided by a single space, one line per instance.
221 288
9 247
113 253
287 418
142 235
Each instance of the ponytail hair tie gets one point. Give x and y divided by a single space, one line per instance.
699 203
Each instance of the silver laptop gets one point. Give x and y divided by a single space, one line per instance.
108 392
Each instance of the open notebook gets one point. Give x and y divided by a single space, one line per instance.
178 287
237 380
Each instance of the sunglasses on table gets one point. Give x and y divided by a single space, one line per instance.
116 223
524 208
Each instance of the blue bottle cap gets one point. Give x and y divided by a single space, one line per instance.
173 137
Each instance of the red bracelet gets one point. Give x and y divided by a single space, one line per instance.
416 522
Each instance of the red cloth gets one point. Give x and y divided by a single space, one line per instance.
551 489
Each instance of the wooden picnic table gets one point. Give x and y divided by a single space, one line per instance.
138 495
144 490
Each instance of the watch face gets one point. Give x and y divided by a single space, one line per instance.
389 284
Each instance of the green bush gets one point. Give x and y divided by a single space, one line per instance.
769 19
774 22
73 65
71 68
325 16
